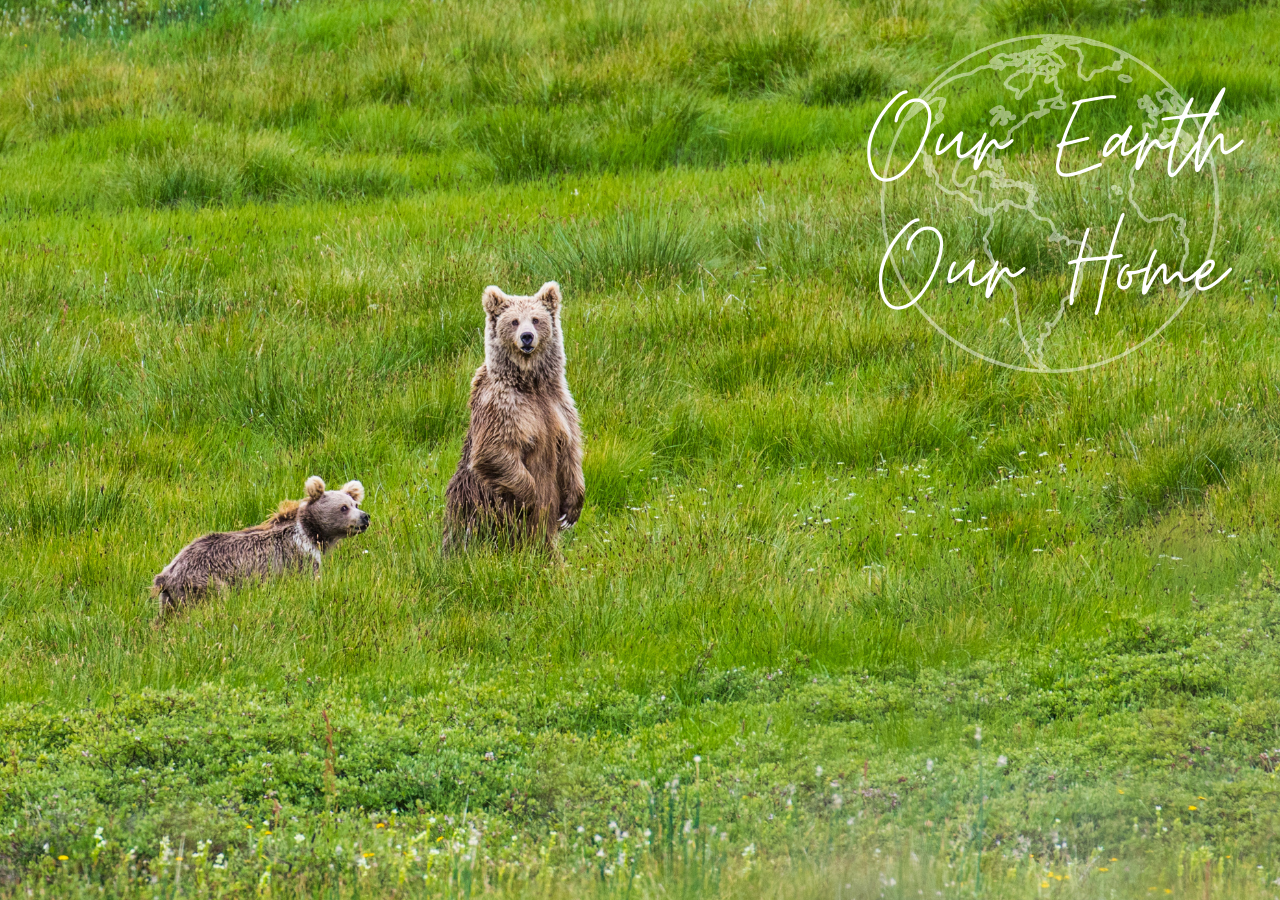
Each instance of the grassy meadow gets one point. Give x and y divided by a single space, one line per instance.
848 612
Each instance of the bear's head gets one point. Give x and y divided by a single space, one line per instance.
523 332
329 516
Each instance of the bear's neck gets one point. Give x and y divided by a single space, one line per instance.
307 536
541 374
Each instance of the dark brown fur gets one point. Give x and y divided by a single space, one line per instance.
520 475
293 539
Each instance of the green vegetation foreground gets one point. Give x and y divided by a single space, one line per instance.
846 610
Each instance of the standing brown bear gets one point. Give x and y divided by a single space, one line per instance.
520 475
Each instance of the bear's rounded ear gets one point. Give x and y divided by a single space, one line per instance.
315 487
549 296
356 490
495 301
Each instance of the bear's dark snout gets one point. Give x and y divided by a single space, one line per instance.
526 341
364 520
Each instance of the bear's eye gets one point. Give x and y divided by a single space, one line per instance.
344 508
535 321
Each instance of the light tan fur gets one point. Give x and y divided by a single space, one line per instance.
520 474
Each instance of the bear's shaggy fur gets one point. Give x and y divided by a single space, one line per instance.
520 474
293 538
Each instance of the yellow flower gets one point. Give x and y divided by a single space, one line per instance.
63 857
1168 890
367 855
1113 859
1193 807
1044 884
1121 790
1104 869
379 825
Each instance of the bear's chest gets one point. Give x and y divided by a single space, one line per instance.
533 422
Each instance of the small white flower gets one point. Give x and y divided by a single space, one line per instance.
928 765
299 838
1002 761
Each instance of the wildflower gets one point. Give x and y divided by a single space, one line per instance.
1002 761
928 765
1193 807
64 858
299 838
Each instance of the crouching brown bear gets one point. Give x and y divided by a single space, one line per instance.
520 475
293 539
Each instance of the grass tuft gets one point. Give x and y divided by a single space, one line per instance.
650 244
